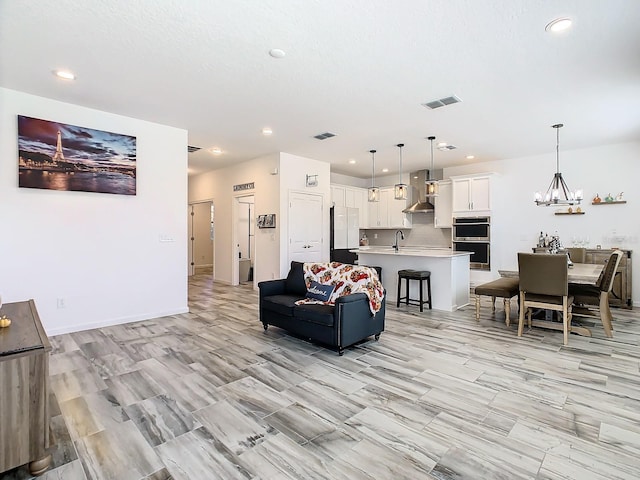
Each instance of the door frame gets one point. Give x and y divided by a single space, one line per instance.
235 265
325 223
190 261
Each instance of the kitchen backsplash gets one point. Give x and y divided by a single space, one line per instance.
423 233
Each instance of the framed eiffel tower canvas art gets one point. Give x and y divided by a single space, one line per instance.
58 156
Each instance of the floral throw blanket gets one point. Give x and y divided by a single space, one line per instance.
346 279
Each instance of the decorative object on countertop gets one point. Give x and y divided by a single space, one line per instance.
400 189
558 193
431 185
619 197
373 192
596 199
364 241
608 198
4 321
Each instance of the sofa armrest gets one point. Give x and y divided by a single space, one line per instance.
272 287
354 297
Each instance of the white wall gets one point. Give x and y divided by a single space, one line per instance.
218 186
99 252
517 221
293 172
271 196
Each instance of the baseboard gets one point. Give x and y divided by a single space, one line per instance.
114 321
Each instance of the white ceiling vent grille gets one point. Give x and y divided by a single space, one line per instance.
324 136
444 148
192 149
442 102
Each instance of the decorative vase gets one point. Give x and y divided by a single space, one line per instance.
597 199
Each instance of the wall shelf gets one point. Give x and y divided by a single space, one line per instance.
569 213
608 203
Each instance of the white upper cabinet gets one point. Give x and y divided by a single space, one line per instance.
387 213
338 196
471 194
353 197
442 217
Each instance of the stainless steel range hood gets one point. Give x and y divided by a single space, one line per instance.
419 191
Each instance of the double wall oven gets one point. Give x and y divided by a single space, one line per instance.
473 234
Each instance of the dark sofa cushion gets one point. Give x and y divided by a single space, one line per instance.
295 280
315 313
282 304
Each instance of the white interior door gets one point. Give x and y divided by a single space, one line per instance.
306 224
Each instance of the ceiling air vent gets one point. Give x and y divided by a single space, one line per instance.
441 102
444 148
192 149
324 136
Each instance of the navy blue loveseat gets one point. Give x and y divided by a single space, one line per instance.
339 326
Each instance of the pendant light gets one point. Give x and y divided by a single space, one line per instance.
373 191
431 186
558 193
400 189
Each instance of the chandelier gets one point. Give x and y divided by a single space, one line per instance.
558 193
400 189
373 191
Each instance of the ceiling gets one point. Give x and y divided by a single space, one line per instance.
360 69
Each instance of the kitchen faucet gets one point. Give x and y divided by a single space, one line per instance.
397 246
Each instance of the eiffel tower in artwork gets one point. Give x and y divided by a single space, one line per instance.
59 156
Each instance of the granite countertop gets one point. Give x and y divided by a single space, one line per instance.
442 252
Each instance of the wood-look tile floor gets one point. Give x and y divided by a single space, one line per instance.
209 395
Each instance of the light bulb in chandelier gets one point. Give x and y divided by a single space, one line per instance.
373 192
431 186
400 189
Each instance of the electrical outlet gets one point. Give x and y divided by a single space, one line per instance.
61 303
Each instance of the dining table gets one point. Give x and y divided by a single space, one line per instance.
576 273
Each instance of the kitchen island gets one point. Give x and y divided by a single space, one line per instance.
449 272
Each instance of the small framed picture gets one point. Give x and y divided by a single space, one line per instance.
267 221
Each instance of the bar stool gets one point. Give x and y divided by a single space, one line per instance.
420 275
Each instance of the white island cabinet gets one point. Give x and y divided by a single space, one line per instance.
449 273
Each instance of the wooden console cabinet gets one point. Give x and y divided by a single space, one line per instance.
620 295
24 390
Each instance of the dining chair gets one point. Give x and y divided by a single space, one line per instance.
577 255
592 300
543 284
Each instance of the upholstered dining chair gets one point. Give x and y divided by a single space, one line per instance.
592 300
543 284
577 255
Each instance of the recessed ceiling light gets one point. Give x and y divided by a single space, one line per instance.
442 144
558 25
65 74
352 161
277 53
470 157
267 131
215 150
385 170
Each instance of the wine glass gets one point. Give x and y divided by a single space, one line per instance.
574 240
586 241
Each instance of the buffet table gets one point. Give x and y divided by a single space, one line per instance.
449 272
24 390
